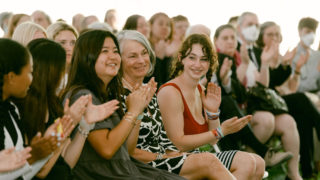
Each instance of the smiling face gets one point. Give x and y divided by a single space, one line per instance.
67 40
226 41
135 60
108 62
196 64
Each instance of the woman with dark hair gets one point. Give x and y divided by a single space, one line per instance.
49 64
94 70
138 23
305 113
16 76
190 113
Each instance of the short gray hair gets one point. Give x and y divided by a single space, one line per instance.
137 36
101 26
243 15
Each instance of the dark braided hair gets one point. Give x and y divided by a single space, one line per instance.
185 50
13 57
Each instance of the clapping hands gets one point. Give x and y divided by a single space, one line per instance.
212 99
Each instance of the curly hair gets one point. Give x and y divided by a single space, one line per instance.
185 50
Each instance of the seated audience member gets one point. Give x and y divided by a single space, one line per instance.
198 29
27 31
76 21
49 65
101 26
4 21
160 38
234 93
309 73
14 21
191 114
153 145
139 23
16 71
111 18
180 26
304 113
87 21
41 18
66 36
233 21
105 155
264 123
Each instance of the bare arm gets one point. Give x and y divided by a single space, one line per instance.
171 107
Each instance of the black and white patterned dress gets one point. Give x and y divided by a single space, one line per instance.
153 138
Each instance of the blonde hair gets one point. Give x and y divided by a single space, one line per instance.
25 31
54 29
13 22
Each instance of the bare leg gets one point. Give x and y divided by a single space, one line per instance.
243 166
286 128
260 166
263 124
204 166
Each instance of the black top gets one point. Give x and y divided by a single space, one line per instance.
279 75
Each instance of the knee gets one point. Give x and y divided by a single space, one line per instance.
244 163
266 119
205 160
260 166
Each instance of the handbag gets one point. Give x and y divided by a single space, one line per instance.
265 99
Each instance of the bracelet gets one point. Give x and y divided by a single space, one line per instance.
217 133
86 126
140 116
83 132
213 116
159 156
297 72
129 117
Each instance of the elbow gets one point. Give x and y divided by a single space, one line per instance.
107 154
183 148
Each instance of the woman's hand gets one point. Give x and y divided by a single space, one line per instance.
288 56
140 97
212 99
11 159
234 124
270 53
42 147
301 61
77 109
225 70
96 113
244 53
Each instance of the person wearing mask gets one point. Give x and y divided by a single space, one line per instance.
264 123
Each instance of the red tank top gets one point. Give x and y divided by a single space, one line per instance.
191 126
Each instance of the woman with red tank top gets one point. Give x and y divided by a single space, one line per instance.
191 115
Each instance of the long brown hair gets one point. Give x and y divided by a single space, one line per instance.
185 50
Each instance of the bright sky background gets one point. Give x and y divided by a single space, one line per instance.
211 13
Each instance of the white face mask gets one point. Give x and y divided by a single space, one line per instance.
308 39
250 33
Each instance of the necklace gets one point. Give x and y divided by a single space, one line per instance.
127 84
